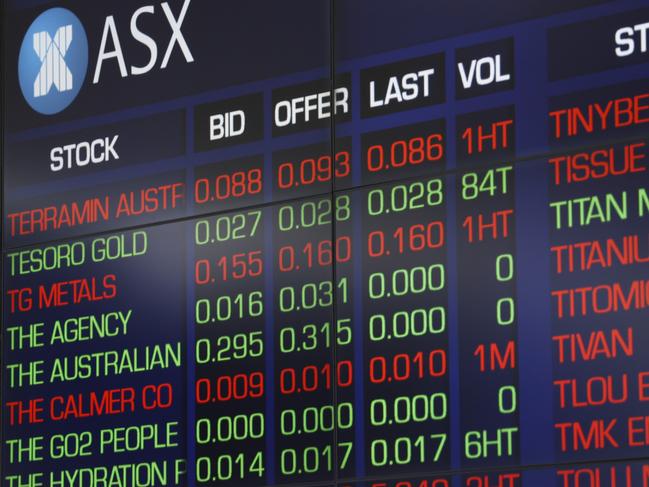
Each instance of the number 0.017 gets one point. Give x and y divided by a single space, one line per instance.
313 459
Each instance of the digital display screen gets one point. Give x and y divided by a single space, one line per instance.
334 243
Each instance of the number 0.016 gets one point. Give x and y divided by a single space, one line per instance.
224 308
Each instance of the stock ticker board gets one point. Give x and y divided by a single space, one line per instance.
368 244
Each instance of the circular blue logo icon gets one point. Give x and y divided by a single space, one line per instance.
53 61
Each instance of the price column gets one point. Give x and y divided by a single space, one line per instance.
405 321
486 265
306 375
231 383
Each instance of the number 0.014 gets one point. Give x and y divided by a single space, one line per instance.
228 467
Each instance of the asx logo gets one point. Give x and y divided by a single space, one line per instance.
53 59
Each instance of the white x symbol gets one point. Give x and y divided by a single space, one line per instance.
54 70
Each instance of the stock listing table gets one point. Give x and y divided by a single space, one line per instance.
425 267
